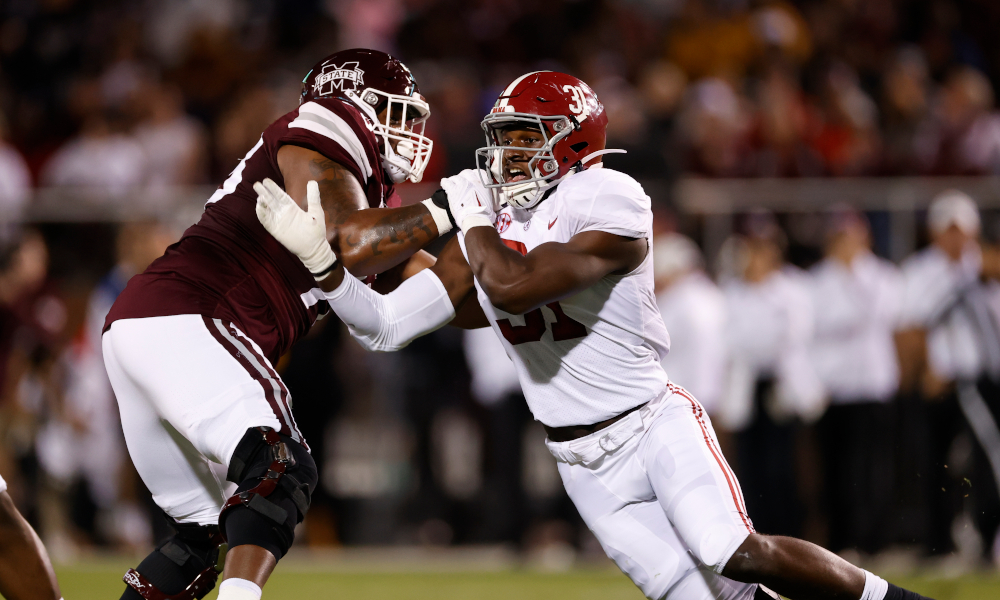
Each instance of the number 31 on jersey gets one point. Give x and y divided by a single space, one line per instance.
564 328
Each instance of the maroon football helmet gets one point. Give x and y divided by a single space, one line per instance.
572 122
374 81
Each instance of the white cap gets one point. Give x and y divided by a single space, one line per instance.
953 207
674 254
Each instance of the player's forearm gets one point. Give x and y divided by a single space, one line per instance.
517 283
504 274
374 240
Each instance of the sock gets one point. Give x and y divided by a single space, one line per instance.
235 588
875 587
897 593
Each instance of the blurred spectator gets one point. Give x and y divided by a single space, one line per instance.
171 24
626 117
714 125
770 384
23 268
949 347
784 125
15 179
368 23
856 298
849 139
174 142
236 130
103 158
707 43
781 28
694 312
905 89
962 133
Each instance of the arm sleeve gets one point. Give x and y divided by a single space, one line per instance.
385 323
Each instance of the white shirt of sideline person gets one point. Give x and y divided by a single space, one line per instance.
15 182
856 311
768 332
494 377
694 311
933 279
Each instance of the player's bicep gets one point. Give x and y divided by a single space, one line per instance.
562 269
340 191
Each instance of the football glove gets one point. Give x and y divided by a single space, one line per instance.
302 232
470 203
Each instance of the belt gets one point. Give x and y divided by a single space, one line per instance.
606 436
574 432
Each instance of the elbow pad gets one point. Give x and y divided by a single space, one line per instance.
387 323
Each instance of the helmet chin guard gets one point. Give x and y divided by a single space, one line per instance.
412 148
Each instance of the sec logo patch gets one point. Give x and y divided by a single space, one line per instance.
503 222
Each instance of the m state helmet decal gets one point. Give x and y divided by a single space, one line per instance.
347 77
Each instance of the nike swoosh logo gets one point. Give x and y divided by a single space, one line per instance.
553 222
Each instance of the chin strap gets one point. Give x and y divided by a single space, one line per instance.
396 163
594 155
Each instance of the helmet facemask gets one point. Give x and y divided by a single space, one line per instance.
542 169
402 127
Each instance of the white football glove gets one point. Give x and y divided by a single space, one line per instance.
470 203
303 232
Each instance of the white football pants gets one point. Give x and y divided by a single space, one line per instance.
188 388
658 494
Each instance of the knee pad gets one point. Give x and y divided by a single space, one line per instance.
276 477
182 568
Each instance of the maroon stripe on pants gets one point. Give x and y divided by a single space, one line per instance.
253 372
297 434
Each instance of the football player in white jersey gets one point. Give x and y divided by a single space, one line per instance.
557 250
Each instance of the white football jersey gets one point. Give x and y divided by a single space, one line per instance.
596 354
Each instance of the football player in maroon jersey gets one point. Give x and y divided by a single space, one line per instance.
190 345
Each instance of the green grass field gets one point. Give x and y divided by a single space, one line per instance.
101 579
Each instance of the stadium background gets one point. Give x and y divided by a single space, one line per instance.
118 118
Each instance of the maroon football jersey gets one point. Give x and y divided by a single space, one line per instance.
228 266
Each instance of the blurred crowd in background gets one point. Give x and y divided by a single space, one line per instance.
845 388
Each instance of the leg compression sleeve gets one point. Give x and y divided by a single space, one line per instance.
385 323
268 520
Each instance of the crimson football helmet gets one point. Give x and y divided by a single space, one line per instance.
374 81
571 120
